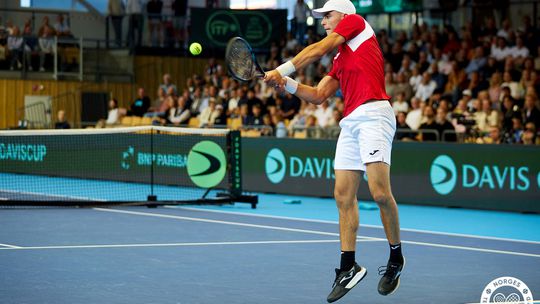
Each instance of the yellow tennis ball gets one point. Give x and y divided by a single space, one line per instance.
195 48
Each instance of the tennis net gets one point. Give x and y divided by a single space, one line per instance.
138 165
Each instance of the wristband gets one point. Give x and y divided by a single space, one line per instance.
286 69
291 85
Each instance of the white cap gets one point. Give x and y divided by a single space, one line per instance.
342 6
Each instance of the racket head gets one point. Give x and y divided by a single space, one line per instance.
241 62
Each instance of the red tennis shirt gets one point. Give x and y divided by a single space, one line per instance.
359 64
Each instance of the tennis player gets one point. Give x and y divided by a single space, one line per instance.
367 131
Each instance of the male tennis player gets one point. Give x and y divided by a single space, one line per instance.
367 130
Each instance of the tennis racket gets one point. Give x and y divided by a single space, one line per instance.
241 61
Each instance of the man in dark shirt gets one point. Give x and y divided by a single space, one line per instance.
61 122
140 105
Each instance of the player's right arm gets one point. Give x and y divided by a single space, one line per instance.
308 55
327 87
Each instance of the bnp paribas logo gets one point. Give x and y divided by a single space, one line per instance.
275 165
206 164
443 174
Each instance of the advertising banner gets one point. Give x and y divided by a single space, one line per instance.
472 176
215 27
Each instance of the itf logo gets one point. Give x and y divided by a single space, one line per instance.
275 165
127 158
443 174
507 290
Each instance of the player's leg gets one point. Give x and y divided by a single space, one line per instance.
347 165
379 186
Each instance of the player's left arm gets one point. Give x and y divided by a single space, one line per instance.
308 55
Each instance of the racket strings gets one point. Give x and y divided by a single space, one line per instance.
240 61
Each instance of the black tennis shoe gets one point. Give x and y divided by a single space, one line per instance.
390 277
345 281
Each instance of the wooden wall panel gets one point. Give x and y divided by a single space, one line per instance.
66 95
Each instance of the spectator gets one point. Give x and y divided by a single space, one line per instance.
61 27
113 116
197 103
61 121
141 104
429 124
515 90
160 105
499 50
167 84
493 137
531 113
519 52
415 116
529 135
180 12
477 62
45 24
153 9
506 31
403 86
18 50
426 87
400 104
494 89
513 135
402 128
486 117
179 114
323 114
208 116
256 119
46 46
136 21
116 11
301 13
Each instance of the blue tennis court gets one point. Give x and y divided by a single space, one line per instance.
232 254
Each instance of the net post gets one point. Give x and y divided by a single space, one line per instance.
235 163
152 197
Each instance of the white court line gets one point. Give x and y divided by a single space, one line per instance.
3 198
312 232
195 219
9 246
176 244
363 225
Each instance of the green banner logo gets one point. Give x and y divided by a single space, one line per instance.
127 158
222 25
206 164
443 174
275 165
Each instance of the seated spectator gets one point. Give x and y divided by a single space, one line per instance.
402 128
113 115
519 52
513 135
426 87
402 85
333 122
486 117
46 46
221 118
208 116
312 127
493 137
323 113
140 105
494 89
499 50
429 124
61 27
179 113
61 121
477 62
18 50
268 126
515 90
256 118
400 104
415 115
160 106
531 113
167 85
529 135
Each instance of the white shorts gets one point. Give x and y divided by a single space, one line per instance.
366 136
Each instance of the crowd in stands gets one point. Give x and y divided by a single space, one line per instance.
19 44
477 85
